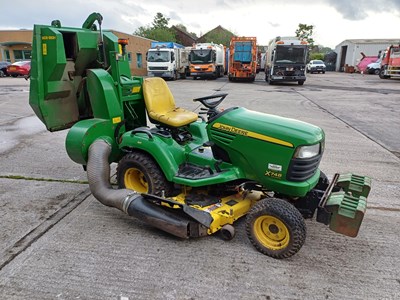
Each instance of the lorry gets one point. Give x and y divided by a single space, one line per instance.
186 174
167 60
207 60
243 58
390 63
286 60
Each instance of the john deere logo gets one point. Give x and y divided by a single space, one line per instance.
231 129
244 132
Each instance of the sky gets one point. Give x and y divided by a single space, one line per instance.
334 20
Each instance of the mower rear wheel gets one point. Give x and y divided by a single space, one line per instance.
139 172
276 228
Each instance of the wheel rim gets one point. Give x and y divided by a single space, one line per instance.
135 180
271 232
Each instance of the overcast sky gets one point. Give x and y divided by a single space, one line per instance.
333 20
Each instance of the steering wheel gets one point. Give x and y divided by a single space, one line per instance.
211 104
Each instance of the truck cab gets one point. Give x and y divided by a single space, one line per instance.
167 60
207 60
286 60
390 64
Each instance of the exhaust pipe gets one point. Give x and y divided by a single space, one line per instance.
128 201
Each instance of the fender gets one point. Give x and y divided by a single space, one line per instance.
165 151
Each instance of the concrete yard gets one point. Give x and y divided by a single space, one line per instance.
58 242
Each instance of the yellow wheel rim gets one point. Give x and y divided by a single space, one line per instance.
134 179
271 232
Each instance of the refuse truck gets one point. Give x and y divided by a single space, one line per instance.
190 174
390 63
243 58
167 60
207 60
286 60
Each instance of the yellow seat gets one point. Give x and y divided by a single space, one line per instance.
160 104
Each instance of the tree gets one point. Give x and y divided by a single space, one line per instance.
160 21
319 52
159 30
184 29
219 36
325 50
161 35
181 27
317 55
304 32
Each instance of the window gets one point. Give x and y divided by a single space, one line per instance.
139 60
27 54
7 55
22 55
18 55
395 52
130 57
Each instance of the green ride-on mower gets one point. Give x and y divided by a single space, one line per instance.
188 174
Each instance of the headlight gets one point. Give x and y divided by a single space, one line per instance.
307 151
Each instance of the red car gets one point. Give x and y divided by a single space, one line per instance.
19 68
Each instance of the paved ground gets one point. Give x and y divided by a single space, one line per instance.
58 242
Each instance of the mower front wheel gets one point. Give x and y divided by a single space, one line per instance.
139 172
276 228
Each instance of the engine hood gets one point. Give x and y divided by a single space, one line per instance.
270 128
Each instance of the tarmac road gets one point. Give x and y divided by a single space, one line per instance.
58 242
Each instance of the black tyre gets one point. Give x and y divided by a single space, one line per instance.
218 73
382 74
139 172
276 228
269 80
175 77
301 82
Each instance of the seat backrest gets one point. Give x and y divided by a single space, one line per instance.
157 96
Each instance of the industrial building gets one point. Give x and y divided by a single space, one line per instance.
349 51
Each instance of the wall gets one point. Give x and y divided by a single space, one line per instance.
14 40
137 46
22 39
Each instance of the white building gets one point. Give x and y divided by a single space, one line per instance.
349 51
